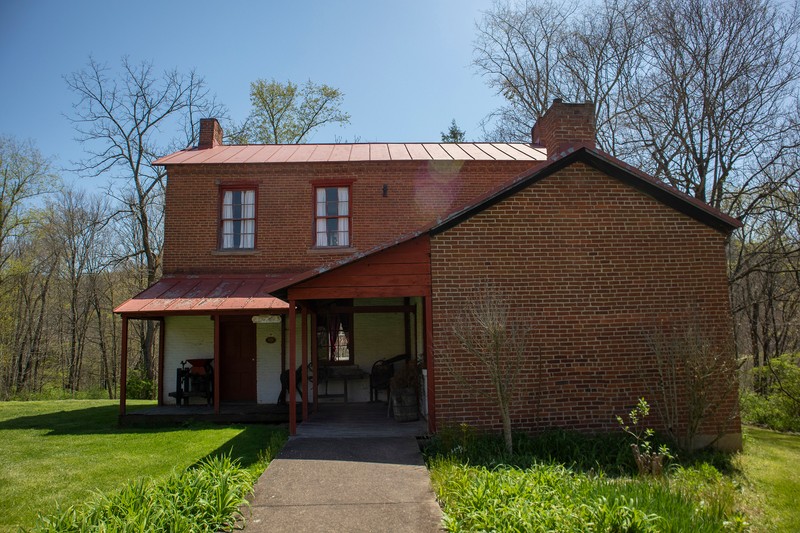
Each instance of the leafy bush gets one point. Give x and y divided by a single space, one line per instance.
558 482
779 408
140 388
206 497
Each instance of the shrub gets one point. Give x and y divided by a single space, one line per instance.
139 388
206 497
779 407
481 491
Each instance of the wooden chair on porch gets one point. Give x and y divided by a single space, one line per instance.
381 375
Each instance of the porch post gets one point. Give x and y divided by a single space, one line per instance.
217 329
123 369
292 372
428 314
314 359
305 362
161 337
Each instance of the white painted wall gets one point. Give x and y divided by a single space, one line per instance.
186 337
377 336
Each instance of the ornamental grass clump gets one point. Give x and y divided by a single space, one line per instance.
204 498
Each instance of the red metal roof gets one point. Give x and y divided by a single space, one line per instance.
305 153
203 295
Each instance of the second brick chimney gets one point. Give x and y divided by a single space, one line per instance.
210 133
564 126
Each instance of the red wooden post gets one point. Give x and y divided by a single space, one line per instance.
428 314
123 369
304 343
217 369
315 359
161 337
292 373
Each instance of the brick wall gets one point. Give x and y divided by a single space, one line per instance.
593 266
418 192
565 125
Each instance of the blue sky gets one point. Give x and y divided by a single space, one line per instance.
404 66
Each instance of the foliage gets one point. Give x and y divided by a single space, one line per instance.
206 497
649 461
454 134
285 113
779 406
82 442
139 387
479 492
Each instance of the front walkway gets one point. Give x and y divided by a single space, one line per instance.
348 469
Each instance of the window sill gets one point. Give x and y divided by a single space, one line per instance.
338 250
236 252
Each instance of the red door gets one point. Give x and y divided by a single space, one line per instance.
237 376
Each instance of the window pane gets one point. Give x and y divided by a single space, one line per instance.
238 219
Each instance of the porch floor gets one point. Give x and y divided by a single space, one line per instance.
343 420
340 420
229 413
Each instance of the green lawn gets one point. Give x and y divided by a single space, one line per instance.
771 466
58 452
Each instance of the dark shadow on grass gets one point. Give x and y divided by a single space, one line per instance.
247 446
88 421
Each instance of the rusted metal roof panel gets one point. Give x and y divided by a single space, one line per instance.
378 152
418 152
205 294
303 153
437 152
494 152
454 151
398 152
360 152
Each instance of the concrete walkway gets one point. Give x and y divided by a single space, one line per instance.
348 469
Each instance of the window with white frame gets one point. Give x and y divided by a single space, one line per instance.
238 220
332 216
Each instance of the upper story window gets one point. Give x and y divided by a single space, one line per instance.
238 219
332 216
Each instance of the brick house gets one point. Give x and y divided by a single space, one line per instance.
345 254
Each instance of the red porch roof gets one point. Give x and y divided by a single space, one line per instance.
203 295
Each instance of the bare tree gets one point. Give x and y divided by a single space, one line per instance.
121 118
491 334
76 221
703 94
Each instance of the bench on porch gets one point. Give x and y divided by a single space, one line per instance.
196 381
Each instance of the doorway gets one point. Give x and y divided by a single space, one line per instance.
237 377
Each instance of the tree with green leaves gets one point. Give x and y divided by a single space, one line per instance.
287 113
454 134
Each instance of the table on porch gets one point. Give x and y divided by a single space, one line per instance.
343 374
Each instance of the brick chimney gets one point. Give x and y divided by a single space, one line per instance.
564 126
210 133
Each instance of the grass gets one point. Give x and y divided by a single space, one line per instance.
57 453
769 465
567 482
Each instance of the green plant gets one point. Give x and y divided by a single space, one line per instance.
648 460
139 388
207 497
779 407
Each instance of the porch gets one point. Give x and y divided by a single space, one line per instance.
229 413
